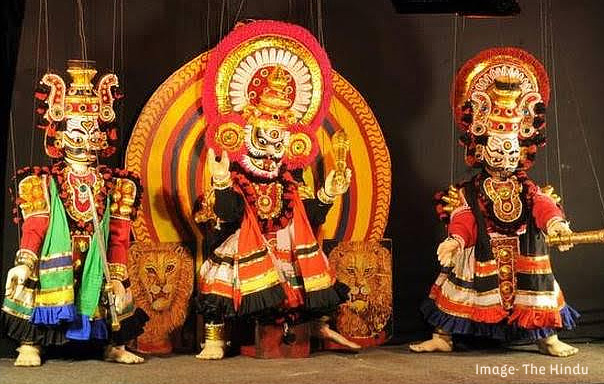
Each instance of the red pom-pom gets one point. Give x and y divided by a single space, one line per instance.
108 152
41 95
54 152
112 134
117 94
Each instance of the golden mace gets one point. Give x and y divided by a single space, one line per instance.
588 237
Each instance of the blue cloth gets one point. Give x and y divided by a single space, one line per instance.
500 331
84 329
53 315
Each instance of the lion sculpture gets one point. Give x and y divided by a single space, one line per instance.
366 267
162 281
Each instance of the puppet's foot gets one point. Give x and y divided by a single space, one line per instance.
29 356
554 347
323 331
120 355
438 343
213 350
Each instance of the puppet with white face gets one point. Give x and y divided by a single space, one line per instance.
266 91
75 221
496 278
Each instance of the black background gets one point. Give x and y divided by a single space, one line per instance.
403 66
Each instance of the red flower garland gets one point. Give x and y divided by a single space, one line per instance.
290 187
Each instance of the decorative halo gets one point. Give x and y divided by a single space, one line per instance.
239 65
169 143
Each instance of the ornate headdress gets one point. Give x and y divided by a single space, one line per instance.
269 76
501 91
80 105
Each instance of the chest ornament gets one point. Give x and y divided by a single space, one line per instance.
268 199
505 196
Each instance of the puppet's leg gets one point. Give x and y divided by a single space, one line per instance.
214 342
29 355
321 330
441 341
554 347
119 354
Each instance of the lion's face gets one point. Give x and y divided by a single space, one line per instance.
159 276
365 267
160 271
357 270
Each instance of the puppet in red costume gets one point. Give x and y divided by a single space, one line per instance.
267 88
496 278
55 292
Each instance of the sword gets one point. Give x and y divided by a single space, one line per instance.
588 237
100 237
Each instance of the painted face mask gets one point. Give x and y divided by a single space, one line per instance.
82 140
266 148
502 152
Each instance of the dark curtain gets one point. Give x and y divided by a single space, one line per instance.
402 64
10 26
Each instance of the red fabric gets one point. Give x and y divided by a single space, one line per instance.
251 239
492 314
464 225
34 230
545 209
119 241
530 318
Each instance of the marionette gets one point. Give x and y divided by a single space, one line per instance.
266 90
496 278
70 280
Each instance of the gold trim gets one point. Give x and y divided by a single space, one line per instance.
213 332
33 192
305 192
118 271
588 237
537 293
221 184
123 196
505 194
71 209
251 262
324 197
26 257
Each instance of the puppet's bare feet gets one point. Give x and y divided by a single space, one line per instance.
213 350
554 347
438 343
322 331
119 354
29 356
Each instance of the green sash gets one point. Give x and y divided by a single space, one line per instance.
92 275
56 269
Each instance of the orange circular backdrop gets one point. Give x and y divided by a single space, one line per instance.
167 150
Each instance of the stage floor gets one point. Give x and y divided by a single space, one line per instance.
393 364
